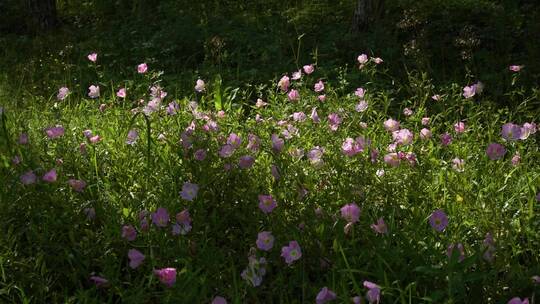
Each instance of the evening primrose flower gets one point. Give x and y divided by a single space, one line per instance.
189 191
160 218
167 276
265 240
129 233
438 220
267 203
319 86
350 212
50 176
495 151
325 295
135 258
309 68
292 252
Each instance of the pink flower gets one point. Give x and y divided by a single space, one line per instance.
516 68
319 86
391 125
265 240
374 292
55 132
160 218
260 103
189 191
93 91
99 281
527 129
510 131
267 203
291 253
226 151
297 75
246 162
315 156
425 134
360 93
380 227
315 116
516 159
407 112
334 120
459 127
92 57
135 258
121 93
446 139
460 250
392 159
62 93
438 220
200 154
95 139
284 83
425 121
142 68
377 60
469 91
167 276
129 233
362 59
495 151
308 69
50 177
77 184
277 143
325 295
28 178
361 106
350 213
200 86
293 95
254 143
518 300
402 137
321 98
219 300
132 137
234 140
436 97
23 139
458 164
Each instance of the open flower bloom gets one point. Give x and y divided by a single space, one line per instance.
267 203
160 218
438 220
135 258
142 68
93 91
291 253
189 191
380 227
350 213
265 240
167 276
62 93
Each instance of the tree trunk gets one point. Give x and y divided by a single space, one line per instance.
43 14
367 12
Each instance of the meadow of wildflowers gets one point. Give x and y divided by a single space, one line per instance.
318 191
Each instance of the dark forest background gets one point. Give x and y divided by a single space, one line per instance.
44 42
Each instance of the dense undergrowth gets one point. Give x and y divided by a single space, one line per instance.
374 188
